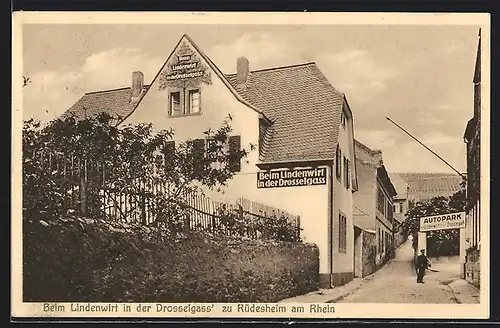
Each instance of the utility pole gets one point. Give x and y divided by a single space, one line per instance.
433 152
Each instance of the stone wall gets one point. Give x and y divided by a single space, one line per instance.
473 268
369 253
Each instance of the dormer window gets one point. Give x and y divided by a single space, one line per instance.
194 101
185 101
175 103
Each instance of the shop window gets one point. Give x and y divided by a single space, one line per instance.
338 162
342 233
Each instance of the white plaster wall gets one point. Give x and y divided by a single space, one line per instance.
343 201
217 101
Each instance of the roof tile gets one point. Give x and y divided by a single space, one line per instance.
115 102
428 185
304 107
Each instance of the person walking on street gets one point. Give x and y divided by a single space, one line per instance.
422 264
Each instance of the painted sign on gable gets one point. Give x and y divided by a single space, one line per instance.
185 69
443 221
291 178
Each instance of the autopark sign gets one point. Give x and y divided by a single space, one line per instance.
443 221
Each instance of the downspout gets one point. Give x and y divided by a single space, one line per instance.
331 209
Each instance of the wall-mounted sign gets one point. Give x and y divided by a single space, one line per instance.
185 69
291 178
443 221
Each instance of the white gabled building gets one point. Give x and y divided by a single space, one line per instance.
297 119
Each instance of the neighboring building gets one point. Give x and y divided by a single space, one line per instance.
401 206
414 187
472 137
401 198
297 119
373 211
422 186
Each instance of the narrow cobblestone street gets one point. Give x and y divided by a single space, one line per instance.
396 283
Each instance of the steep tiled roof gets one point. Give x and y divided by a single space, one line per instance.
116 102
428 185
304 107
436 184
359 144
367 156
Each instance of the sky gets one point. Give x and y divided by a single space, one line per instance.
419 76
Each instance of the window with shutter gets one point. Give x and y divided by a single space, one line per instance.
338 162
169 153
346 173
193 101
342 236
183 101
234 149
175 103
198 152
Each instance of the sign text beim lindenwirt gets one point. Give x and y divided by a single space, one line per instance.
292 178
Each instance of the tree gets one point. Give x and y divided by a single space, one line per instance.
440 242
132 158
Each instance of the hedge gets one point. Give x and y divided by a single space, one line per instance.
78 260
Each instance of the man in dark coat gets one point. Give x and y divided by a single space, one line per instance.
422 264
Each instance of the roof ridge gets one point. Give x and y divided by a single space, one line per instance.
115 89
277 68
377 151
108 90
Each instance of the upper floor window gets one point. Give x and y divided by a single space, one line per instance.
343 119
381 200
347 174
194 101
338 162
342 237
175 103
184 101
203 148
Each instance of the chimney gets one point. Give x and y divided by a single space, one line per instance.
242 70
137 84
